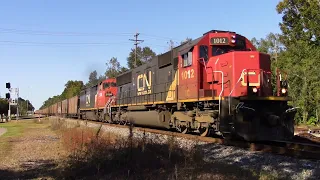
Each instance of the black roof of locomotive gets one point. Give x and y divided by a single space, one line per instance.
185 47
182 48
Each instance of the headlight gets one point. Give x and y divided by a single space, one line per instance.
283 90
109 94
255 90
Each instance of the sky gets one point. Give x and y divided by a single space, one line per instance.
43 44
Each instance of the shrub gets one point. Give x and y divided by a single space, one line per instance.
110 156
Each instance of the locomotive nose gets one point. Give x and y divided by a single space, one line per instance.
273 119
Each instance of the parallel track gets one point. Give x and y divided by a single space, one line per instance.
287 148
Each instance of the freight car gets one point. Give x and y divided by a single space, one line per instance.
216 84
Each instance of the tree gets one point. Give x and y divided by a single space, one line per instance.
301 61
144 55
93 79
22 103
300 21
271 45
114 68
3 106
72 88
300 36
101 78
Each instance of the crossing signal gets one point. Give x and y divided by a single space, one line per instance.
7 95
8 85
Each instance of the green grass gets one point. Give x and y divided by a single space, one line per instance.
15 129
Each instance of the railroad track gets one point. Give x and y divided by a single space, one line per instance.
288 148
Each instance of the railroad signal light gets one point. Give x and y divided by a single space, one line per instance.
8 85
7 95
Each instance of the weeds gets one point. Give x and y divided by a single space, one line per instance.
98 154
106 155
57 124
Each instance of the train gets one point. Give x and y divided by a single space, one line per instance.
216 85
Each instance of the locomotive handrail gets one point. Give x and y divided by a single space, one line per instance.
234 87
222 89
229 96
108 105
204 63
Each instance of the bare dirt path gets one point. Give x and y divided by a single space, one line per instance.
2 131
30 150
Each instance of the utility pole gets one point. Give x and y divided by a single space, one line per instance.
171 44
17 92
137 41
11 101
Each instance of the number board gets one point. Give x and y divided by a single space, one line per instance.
219 41
240 43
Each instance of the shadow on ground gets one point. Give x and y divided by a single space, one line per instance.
94 156
31 170
163 161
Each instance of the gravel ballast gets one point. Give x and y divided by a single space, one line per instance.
277 165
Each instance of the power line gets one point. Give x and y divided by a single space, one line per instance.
54 33
61 43
159 37
137 41
62 33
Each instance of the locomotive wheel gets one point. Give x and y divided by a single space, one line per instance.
182 129
204 131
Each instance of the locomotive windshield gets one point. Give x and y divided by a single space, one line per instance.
218 50
107 85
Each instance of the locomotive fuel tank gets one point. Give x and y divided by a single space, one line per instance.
148 118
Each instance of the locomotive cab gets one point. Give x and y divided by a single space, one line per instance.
235 81
107 89
245 71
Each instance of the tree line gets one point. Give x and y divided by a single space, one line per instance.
23 105
296 51
113 68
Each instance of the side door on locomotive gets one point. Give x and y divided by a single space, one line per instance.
188 88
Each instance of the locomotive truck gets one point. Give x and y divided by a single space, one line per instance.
217 84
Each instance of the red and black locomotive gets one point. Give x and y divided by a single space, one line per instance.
216 84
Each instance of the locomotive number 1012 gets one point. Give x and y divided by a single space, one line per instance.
187 74
219 41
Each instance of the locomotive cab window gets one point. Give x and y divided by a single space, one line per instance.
187 59
218 50
113 84
204 52
106 85
222 49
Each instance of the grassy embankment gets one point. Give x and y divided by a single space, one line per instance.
98 154
15 129
92 153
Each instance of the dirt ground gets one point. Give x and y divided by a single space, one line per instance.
2 131
29 150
